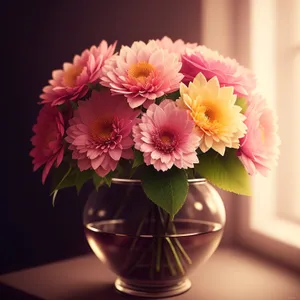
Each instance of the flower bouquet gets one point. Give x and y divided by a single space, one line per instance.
161 112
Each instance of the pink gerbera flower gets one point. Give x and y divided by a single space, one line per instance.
100 132
165 136
48 139
259 148
178 47
211 63
72 83
142 72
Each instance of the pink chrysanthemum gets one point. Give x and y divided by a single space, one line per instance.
165 136
72 82
179 46
260 147
210 63
48 139
142 72
100 132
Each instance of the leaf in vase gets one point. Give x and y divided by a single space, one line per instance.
166 189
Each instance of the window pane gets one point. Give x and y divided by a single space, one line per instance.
288 56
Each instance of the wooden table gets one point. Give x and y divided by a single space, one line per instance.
230 274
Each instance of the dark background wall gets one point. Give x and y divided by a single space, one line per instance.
37 38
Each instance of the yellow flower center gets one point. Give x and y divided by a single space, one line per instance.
218 120
71 75
206 116
210 114
101 129
166 138
140 71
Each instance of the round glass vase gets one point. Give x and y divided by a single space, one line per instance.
151 254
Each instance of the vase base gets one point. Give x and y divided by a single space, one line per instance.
153 291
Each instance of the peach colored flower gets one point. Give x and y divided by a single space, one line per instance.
218 120
72 83
142 73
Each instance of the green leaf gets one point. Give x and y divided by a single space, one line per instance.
74 104
67 176
226 172
60 177
190 173
94 86
108 178
123 168
82 177
242 102
62 107
97 87
174 96
54 197
97 180
138 159
57 174
167 189
160 99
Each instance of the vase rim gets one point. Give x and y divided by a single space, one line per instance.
138 181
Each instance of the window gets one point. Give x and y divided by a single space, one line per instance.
288 28
272 223
264 35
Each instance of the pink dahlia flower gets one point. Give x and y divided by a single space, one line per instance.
211 63
142 72
259 149
48 139
178 47
100 132
165 135
72 82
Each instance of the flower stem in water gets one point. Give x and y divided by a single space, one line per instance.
169 262
158 254
175 254
179 246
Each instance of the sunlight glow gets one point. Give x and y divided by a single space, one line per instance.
268 191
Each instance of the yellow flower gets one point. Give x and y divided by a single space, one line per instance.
218 120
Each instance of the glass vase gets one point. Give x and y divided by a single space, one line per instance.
151 254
